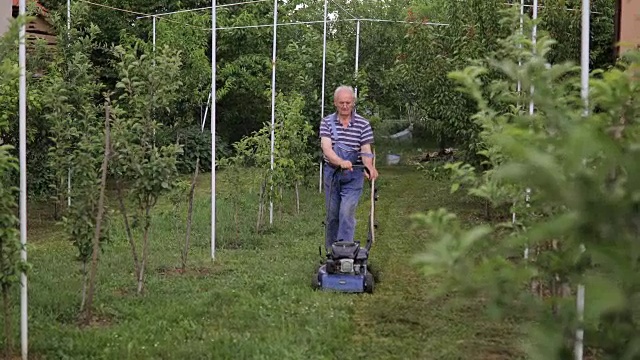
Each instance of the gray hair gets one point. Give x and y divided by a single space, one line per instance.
345 88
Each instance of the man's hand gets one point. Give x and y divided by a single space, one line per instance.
371 173
346 165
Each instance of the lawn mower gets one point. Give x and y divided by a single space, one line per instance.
346 268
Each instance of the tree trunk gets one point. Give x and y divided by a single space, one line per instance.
84 286
96 234
60 203
261 205
554 295
297 199
235 219
127 227
145 248
280 203
56 209
190 216
7 321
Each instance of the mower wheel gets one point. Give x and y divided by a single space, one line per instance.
315 282
369 283
374 272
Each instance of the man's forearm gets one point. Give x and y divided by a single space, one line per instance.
332 157
368 162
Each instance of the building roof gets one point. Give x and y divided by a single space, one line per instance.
17 3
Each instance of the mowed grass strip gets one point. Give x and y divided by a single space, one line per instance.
254 301
403 320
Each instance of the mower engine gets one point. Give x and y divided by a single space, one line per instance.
346 258
343 266
346 266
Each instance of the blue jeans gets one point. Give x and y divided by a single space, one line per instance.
342 193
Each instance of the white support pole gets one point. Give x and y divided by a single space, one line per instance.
584 55
324 58
154 64
357 54
579 345
213 129
22 61
68 14
324 69
68 41
273 99
534 35
520 45
153 39
527 200
154 33
519 89
584 92
320 181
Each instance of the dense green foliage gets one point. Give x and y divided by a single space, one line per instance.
69 92
581 223
292 159
148 89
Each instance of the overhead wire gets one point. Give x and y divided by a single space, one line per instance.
542 7
145 15
354 18
202 8
137 13
112 7
345 10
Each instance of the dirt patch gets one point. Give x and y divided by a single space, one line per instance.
17 356
593 354
124 291
100 321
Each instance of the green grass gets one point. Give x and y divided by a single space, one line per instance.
255 301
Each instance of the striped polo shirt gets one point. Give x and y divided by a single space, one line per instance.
356 134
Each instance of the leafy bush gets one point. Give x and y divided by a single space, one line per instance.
148 85
197 144
581 224
70 93
292 158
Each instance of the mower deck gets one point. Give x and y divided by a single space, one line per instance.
349 283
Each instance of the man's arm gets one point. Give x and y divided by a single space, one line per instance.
368 161
327 150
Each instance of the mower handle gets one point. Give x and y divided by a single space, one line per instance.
371 235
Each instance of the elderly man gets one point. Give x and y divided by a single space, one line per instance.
346 139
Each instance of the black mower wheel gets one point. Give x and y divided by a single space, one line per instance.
373 270
315 284
369 283
315 281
